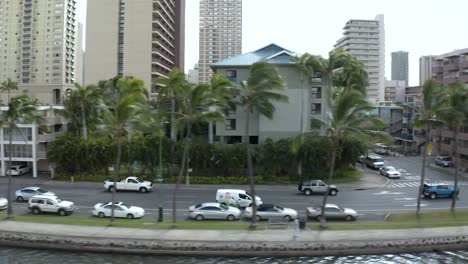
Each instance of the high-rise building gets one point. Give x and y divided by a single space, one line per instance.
220 33
140 38
451 67
425 69
79 56
38 46
365 39
400 68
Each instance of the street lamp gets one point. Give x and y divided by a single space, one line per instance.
159 179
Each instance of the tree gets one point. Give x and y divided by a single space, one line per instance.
197 104
346 119
122 116
8 86
426 119
258 92
88 97
21 110
454 115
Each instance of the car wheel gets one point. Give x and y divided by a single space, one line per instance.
287 218
101 215
62 213
36 210
199 217
111 188
231 218
433 196
258 218
143 190
308 192
333 192
130 216
20 199
349 218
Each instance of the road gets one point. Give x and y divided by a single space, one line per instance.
371 204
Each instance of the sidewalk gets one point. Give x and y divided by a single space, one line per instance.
230 242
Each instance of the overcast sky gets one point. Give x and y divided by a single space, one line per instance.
420 27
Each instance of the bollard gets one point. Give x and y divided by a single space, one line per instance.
160 214
72 179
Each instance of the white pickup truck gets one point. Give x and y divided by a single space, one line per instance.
129 184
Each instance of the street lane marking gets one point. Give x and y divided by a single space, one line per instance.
416 205
404 199
387 192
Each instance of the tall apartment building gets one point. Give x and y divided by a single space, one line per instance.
365 39
220 33
38 50
400 66
451 67
425 69
140 38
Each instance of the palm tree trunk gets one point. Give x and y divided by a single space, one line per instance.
323 220
250 169
83 122
457 162
173 119
9 193
423 171
181 174
116 174
301 125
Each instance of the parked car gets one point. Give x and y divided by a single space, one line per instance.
129 184
3 203
18 170
309 187
444 161
268 211
214 211
434 190
390 172
121 209
28 192
380 148
332 211
237 198
50 204
374 161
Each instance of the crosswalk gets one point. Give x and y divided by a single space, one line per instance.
416 184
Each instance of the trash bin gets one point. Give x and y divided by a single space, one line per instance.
302 222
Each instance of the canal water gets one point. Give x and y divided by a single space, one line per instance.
35 256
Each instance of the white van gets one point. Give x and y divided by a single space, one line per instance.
380 148
239 198
374 161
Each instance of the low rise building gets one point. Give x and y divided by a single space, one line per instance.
395 90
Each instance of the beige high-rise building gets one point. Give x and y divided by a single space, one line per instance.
140 38
365 39
38 46
220 33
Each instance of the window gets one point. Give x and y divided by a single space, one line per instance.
231 75
315 109
316 92
230 124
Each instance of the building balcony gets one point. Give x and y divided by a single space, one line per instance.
437 69
463 64
451 66
450 80
47 137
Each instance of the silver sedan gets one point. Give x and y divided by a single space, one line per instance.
28 192
3 203
214 211
332 211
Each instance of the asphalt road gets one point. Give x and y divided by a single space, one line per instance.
371 204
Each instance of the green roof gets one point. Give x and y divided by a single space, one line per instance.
272 53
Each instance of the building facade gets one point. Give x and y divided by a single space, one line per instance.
287 116
425 69
365 39
395 90
451 67
400 66
220 33
140 38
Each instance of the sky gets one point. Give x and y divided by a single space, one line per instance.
420 27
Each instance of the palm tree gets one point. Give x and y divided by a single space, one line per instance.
346 119
426 119
88 97
258 92
454 116
21 109
122 116
197 104
8 86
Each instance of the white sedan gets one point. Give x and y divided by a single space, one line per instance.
390 172
28 192
214 211
269 211
3 203
121 209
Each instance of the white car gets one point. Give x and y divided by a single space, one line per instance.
121 209
28 192
3 203
268 211
214 211
50 204
390 172
17 170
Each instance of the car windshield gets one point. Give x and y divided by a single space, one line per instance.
126 205
41 190
390 168
378 160
446 158
318 208
58 200
224 207
279 207
138 180
248 194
